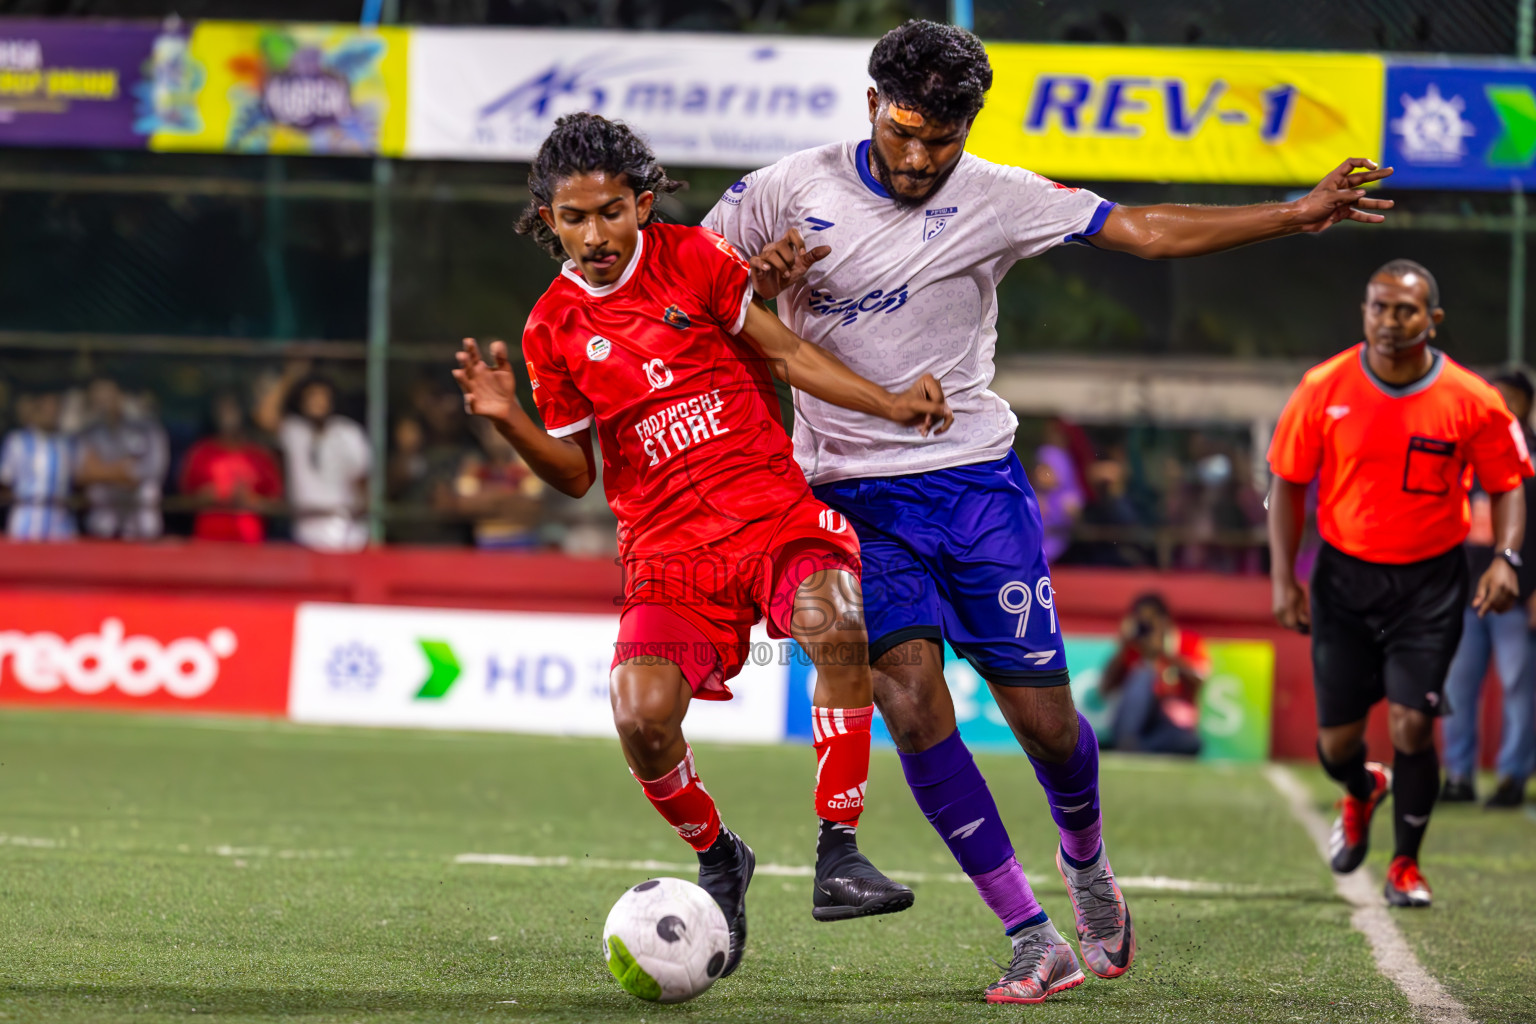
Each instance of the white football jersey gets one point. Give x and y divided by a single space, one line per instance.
907 290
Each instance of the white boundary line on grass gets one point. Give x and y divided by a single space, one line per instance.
1394 958
516 860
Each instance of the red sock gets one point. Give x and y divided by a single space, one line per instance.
687 806
842 761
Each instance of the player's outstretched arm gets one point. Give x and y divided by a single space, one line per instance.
490 390
1287 515
1170 230
820 374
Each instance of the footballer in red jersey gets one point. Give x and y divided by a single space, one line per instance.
652 333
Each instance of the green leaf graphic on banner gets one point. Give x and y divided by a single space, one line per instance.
1516 107
445 669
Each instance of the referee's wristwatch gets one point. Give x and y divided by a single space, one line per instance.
1512 556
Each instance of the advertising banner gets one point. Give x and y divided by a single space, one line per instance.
149 654
1150 114
504 671
1461 127
733 101
283 88
1235 703
73 83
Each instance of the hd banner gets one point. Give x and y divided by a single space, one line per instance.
1162 114
77 84
731 101
1471 127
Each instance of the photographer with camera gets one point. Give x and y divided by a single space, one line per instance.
1158 670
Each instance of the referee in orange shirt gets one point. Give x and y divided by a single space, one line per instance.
1389 429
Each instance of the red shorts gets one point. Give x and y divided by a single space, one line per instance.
697 608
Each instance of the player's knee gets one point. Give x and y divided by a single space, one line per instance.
646 716
1049 734
1411 730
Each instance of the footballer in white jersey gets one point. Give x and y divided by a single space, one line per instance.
906 290
888 252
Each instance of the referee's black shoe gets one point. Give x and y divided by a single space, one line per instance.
1458 791
1350 839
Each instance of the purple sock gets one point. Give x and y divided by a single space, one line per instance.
954 797
1006 892
1072 789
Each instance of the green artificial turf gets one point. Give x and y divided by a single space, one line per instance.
157 869
1479 938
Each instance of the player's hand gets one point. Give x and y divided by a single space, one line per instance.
1497 589
489 390
783 263
1291 608
922 406
1340 196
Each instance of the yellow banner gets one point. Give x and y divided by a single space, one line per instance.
1145 114
282 88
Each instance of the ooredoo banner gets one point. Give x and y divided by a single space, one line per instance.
734 101
73 83
145 653
505 671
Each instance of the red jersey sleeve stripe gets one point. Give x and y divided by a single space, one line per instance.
746 304
571 428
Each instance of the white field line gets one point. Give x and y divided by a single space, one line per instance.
1394 958
515 860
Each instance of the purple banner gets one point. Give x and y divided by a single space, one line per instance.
72 84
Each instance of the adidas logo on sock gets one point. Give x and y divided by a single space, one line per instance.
849 798
966 831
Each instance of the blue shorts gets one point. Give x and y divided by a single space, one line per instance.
955 555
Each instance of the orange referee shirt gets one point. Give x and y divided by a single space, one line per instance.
1393 464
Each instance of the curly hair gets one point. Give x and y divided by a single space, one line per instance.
581 144
940 70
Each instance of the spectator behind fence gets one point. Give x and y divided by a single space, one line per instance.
233 479
420 479
1158 672
327 458
500 494
1505 636
37 465
1058 483
123 461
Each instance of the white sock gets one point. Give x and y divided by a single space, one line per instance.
1044 930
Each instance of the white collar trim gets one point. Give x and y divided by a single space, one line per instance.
602 291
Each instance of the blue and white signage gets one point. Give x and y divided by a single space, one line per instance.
1461 127
734 101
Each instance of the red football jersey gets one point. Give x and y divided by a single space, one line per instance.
687 417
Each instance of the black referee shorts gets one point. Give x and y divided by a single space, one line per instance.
1384 631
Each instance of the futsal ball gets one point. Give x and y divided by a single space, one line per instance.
666 940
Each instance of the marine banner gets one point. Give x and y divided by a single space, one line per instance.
726 101
1130 113
68 83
